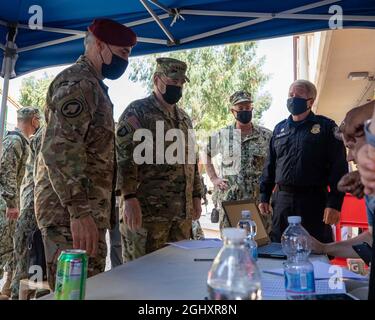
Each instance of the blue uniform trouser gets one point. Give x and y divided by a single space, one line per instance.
309 205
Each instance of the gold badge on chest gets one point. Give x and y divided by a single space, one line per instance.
315 129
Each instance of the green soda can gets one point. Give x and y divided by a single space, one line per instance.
71 275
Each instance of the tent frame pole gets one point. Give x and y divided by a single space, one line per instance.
4 99
158 21
9 52
255 21
299 16
161 6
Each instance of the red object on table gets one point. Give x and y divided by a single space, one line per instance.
353 214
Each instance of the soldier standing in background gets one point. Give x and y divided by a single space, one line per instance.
13 160
243 184
26 223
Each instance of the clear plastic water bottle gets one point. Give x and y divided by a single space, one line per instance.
249 225
298 270
234 275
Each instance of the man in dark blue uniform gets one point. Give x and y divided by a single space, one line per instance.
305 163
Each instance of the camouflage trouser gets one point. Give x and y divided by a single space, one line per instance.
57 239
26 224
224 222
7 228
152 236
197 231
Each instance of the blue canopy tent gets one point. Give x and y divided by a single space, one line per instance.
161 25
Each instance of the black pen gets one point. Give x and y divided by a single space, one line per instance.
196 259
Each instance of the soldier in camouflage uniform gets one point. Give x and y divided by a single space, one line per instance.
243 182
26 222
13 160
76 164
159 198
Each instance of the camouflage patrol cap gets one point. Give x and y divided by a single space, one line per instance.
172 68
27 113
240 96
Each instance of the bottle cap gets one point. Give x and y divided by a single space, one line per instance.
294 219
246 214
234 233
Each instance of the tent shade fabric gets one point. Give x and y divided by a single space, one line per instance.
159 27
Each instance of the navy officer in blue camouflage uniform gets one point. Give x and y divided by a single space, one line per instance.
305 162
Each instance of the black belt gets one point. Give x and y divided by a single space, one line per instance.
300 189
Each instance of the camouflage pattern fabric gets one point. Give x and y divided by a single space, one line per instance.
245 184
76 162
151 237
240 96
28 113
197 231
13 159
57 239
26 222
171 68
75 167
165 191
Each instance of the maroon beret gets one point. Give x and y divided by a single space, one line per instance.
112 32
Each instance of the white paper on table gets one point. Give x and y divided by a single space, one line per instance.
198 244
275 288
325 271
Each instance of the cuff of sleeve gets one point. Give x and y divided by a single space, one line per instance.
335 203
77 211
265 198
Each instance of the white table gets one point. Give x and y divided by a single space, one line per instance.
167 274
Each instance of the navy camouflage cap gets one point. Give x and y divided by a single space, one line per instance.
240 96
28 112
172 68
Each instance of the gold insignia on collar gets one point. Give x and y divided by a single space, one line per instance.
315 129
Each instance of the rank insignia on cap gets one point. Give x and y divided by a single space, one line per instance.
72 108
315 129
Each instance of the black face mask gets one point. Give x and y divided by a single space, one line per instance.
172 93
116 68
244 116
297 106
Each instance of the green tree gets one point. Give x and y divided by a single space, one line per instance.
33 91
214 73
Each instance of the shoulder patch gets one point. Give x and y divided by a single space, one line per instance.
72 108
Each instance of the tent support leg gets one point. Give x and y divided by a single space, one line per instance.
4 99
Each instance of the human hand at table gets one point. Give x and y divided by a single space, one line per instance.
317 247
331 216
197 206
264 208
366 167
351 183
85 234
133 214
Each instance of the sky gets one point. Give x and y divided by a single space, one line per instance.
278 64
